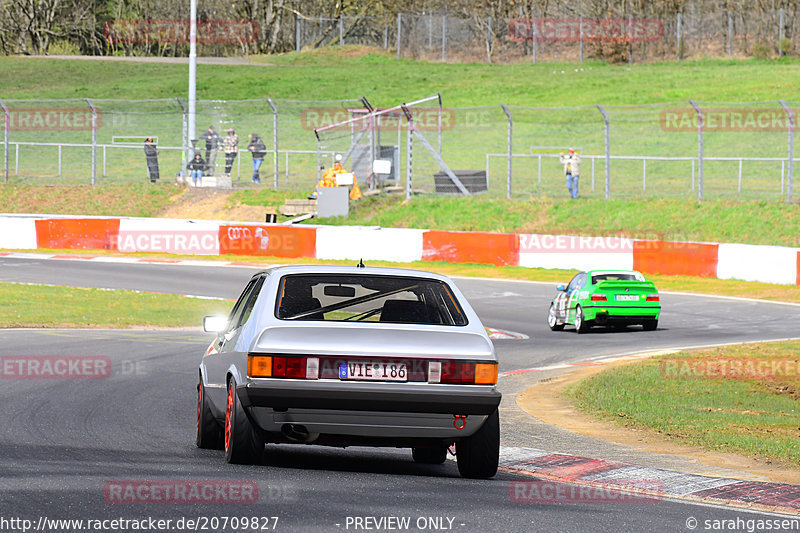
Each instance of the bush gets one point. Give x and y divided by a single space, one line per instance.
62 47
761 50
784 46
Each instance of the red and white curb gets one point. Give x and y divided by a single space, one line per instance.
777 497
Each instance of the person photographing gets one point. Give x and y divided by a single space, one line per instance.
572 171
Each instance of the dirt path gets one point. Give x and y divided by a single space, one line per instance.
546 402
205 204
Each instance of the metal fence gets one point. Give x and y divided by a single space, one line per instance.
693 149
566 32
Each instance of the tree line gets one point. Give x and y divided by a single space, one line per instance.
158 28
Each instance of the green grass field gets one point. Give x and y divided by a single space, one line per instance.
347 72
683 398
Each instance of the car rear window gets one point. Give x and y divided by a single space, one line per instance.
617 276
368 298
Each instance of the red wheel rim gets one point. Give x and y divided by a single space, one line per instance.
199 403
228 408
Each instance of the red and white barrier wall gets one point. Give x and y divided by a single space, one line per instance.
770 264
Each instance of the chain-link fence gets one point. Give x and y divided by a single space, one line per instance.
557 31
684 148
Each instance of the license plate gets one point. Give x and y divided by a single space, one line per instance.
368 371
627 297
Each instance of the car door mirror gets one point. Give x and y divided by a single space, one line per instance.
560 288
215 324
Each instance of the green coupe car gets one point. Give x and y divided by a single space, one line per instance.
605 298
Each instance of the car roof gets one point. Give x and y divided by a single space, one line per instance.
616 271
352 270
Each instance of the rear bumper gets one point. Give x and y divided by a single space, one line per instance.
370 397
621 315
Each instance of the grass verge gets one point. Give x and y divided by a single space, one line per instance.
743 399
41 306
135 200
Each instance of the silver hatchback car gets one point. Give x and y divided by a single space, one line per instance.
340 356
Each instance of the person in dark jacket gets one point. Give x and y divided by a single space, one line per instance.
259 150
196 167
151 155
212 139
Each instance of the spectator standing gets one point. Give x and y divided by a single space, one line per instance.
572 171
212 139
259 150
196 167
151 155
231 147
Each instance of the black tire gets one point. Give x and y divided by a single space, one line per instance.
429 456
209 432
581 325
650 325
242 443
479 455
552 321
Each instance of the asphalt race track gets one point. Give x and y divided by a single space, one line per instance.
65 444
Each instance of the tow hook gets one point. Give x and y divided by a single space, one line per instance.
460 421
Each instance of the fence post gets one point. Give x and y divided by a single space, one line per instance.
678 35
274 141
439 125
608 150
184 139
510 153
630 41
444 37
489 41
780 32
699 150
730 34
399 27
296 33
59 160
580 36
6 125
341 30
94 140
319 155
409 148
790 156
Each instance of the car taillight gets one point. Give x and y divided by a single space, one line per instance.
458 373
259 366
599 298
653 298
485 374
463 373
